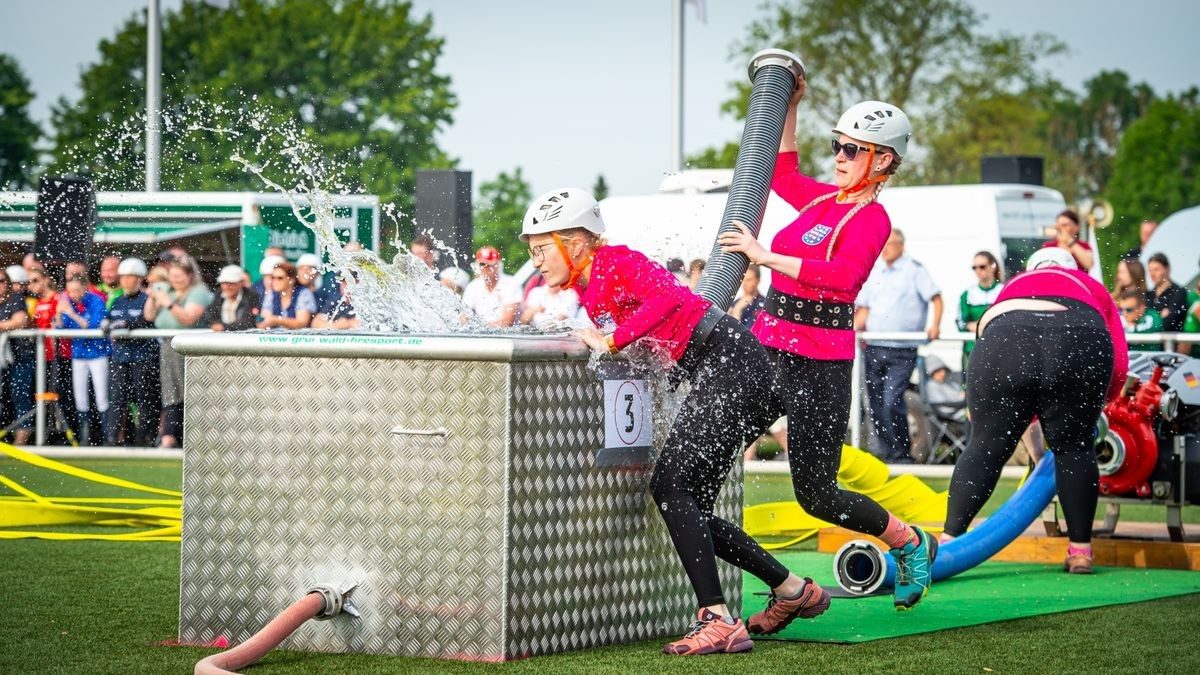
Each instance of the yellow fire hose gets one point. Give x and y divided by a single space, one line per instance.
162 517
905 496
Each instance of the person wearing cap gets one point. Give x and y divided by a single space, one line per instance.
110 284
20 281
819 264
493 295
263 286
1052 329
17 279
944 394
134 376
308 274
237 306
633 300
18 374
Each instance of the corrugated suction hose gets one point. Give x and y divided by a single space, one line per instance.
774 73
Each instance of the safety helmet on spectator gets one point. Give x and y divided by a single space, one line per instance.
16 274
269 264
132 267
231 274
1051 257
487 254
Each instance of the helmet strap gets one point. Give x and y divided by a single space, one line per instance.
572 271
867 180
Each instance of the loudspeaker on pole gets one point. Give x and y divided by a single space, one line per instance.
66 220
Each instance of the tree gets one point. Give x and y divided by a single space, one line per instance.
1083 134
921 55
502 205
854 52
18 133
999 105
357 75
600 189
1156 171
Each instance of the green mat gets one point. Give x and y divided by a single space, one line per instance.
994 591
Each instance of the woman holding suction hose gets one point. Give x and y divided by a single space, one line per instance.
821 261
630 297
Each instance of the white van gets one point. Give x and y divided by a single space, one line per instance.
944 225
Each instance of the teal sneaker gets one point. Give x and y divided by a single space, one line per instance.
914 569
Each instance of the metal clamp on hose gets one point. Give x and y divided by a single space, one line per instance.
333 600
776 57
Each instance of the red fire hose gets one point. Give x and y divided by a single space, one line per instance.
323 601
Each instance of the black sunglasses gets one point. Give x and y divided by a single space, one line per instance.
851 150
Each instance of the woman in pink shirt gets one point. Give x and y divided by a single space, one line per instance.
1053 346
820 262
630 298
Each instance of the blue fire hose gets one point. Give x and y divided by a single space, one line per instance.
861 567
774 73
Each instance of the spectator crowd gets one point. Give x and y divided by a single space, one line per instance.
130 391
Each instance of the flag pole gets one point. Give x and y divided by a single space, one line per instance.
153 96
677 88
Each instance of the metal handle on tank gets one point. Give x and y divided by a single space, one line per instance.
774 73
404 431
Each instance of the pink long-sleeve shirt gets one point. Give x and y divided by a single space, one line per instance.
642 299
1054 282
837 279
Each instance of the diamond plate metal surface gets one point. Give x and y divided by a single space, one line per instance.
590 560
501 540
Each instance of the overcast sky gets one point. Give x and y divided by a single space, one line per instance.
568 89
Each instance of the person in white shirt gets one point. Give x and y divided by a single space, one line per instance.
492 295
550 307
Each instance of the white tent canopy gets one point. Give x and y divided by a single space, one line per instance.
1178 237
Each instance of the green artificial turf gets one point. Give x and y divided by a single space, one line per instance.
994 591
104 607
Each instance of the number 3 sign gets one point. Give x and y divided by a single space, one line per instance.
628 417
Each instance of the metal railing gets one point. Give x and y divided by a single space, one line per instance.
1169 342
39 387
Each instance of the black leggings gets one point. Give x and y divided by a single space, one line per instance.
729 405
815 394
1055 365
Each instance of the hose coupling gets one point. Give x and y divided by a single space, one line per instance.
776 57
334 600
